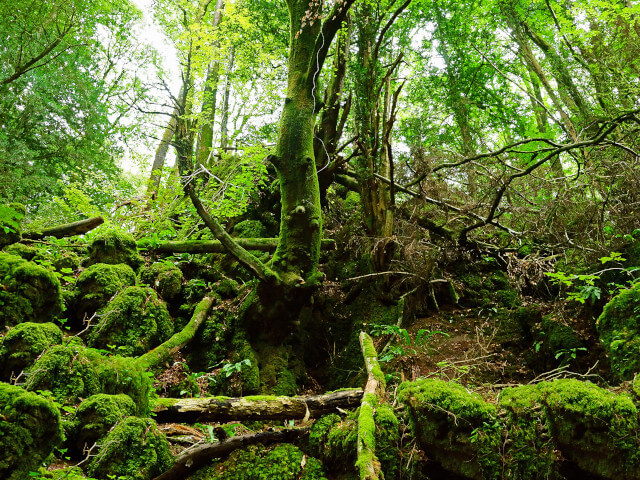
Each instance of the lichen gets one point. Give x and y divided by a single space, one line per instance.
24 343
135 320
133 450
283 462
97 284
619 330
29 430
28 292
95 416
113 247
165 278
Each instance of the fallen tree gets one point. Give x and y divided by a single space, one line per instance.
65 230
222 409
215 246
199 455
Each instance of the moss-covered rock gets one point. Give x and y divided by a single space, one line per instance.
210 346
11 216
29 430
72 372
284 462
165 278
619 330
134 450
532 430
135 320
24 343
28 292
593 427
28 252
95 416
113 247
97 284
455 426
249 229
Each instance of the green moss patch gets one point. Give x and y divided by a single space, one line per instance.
113 247
135 320
165 278
284 462
97 284
29 430
24 343
28 292
96 415
72 372
134 450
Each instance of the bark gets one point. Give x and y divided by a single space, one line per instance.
66 230
190 460
224 124
224 409
215 246
161 154
164 351
205 139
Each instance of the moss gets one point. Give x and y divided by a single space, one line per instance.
227 288
530 452
135 320
28 292
280 369
165 278
209 347
96 415
593 427
134 450
113 247
24 343
72 372
283 462
387 440
29 430
556 337
249 229
507 298
97 284
28 252
70 473
454 426
619 330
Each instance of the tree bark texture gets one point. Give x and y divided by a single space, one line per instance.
224 409
66 230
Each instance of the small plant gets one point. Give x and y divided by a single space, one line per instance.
228 369
407 345
569 354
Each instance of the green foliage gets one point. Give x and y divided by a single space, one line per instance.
29 430
10 223
25 342
407 345
133 450
28 292
256 463
135 321
619 331
249 229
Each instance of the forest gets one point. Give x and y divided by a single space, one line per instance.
319 239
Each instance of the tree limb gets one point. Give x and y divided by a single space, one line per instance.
66 230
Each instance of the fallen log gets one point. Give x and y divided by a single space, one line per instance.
367 462
66 230
222 409
214 246
195 457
